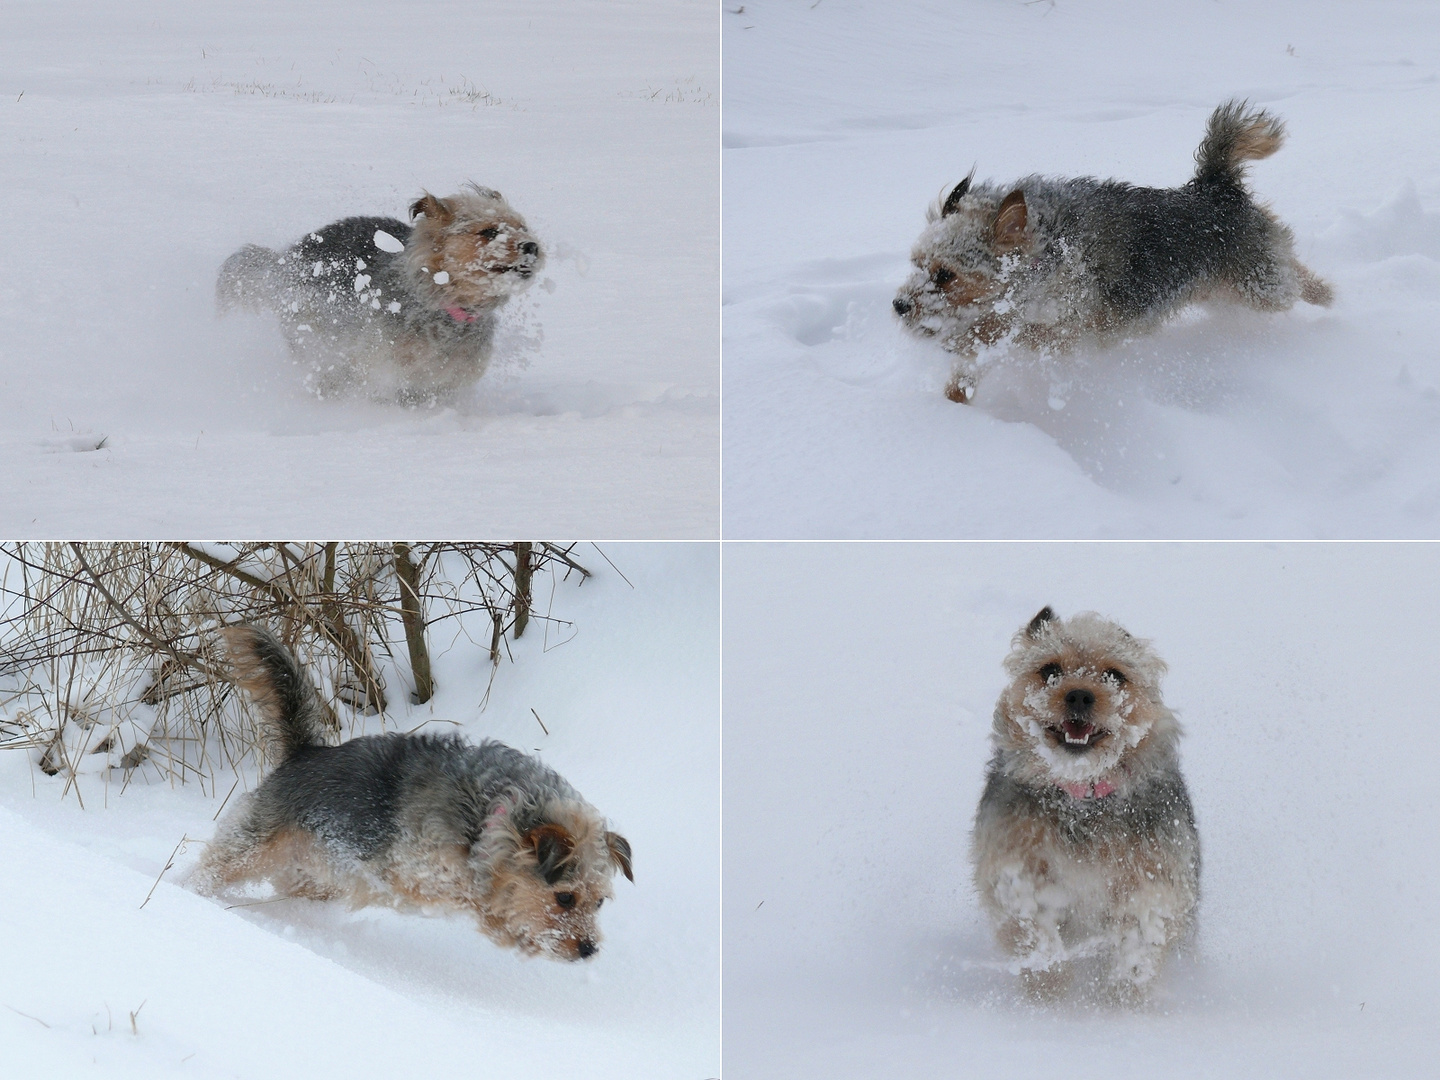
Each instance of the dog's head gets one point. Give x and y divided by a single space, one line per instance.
471 251
1083 705
548 880
963 264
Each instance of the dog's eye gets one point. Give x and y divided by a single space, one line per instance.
565 899
1118 677
1049 671
942 277
489 233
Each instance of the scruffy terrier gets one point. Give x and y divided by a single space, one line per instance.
415 822
392 312
1085 841
1043 263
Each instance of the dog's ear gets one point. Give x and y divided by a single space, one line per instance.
619 853
1041 620
435 209
552 845
952 201
1010 222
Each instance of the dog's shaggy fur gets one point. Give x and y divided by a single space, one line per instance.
1042 263
376 307
1085 842
418 822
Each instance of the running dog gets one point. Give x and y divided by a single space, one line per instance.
1085 842
1044 263
378 308
415 822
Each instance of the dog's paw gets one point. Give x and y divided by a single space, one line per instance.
961 392
1047 984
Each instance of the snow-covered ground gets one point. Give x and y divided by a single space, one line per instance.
146 141
301 989
859 684
844 119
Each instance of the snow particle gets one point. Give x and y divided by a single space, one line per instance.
385 242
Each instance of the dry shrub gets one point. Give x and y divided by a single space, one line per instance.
109 656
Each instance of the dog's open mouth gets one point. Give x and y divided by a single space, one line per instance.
1078 734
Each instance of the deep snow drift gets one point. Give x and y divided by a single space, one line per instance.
303 989
844 120
146 142
859 685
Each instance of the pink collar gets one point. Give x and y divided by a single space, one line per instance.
1086 790
459 314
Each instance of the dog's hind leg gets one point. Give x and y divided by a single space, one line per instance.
291 860
228 860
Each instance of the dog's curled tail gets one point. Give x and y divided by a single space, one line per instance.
1236 134
290 709
247 280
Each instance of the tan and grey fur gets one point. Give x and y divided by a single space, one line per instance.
1085 843
1044 263
414 323
415 822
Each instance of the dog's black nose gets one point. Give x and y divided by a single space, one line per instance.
586 948
1079 701
901 305
530 248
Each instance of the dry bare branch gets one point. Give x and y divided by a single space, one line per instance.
109 657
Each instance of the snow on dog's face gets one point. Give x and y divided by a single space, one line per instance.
1084 704
963 262
547 884
471 251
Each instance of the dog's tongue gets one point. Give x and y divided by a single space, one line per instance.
1078 731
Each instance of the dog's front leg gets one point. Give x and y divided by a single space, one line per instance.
986 330
1032 908
1146 928
961 387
